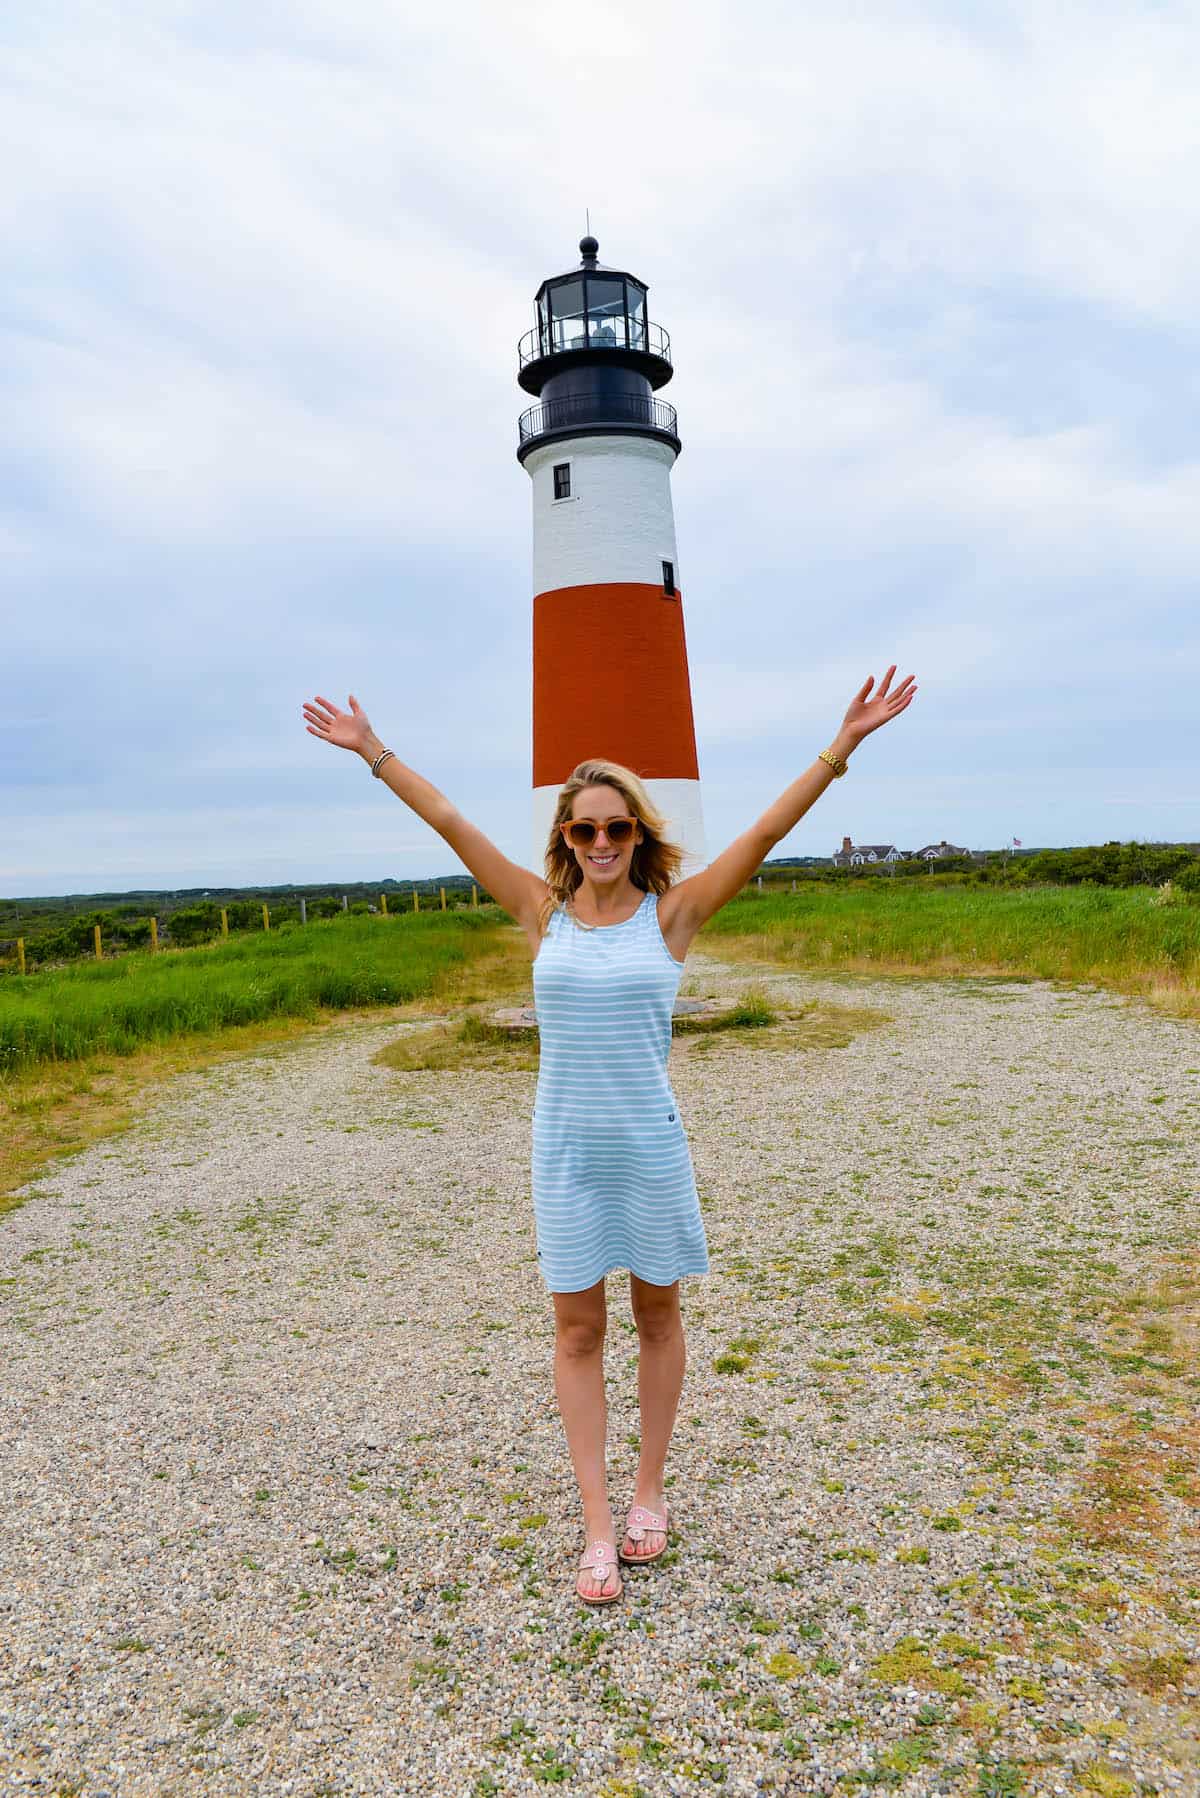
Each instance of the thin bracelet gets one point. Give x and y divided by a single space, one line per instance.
833 761
380 759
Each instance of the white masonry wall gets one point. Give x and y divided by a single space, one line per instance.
618 524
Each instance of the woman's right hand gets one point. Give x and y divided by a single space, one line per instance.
349 730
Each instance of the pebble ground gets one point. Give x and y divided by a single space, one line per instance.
285 1504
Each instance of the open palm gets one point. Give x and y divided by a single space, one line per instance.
349 730
865 715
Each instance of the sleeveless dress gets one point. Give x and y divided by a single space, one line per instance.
612 1175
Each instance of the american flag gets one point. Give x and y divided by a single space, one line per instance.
1016 842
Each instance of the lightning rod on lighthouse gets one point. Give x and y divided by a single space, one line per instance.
610 672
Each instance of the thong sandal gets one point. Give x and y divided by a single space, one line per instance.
600 1560
637 1525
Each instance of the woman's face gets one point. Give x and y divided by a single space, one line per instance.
603 862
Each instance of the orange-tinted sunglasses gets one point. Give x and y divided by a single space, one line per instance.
582 832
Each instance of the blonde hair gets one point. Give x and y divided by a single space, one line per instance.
656 862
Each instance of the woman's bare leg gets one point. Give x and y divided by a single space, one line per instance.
662 1358
580 1320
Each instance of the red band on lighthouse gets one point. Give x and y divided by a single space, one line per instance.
610 679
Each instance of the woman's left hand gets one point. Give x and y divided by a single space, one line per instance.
865 715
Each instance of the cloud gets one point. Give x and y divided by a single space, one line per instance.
933 313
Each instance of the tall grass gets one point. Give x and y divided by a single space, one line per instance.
1122 937
117 1006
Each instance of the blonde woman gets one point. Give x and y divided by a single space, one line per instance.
609 924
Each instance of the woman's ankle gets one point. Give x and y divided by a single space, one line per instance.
649 1487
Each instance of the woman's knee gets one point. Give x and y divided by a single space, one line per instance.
655 1309
580 1320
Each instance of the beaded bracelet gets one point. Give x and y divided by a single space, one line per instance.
380 759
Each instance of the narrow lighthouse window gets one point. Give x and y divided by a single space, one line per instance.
562 480
669 579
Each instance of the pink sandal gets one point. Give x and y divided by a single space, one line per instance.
637 1524
600 1560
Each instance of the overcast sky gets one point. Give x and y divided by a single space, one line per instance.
932 280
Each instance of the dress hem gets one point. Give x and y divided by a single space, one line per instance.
624 1267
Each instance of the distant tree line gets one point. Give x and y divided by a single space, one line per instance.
1117 865
1109 864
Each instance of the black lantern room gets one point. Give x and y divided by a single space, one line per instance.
594 359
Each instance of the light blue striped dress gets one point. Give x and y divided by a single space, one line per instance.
612 1176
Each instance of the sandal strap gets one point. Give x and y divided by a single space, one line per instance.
600 1557
641 1520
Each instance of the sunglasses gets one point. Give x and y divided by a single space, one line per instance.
582 832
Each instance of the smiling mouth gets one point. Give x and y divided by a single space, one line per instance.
602 861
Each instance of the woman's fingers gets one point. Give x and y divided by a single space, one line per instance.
899 700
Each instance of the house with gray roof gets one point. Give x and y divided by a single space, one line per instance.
936 852
857 855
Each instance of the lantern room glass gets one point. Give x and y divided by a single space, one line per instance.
637 316
591 312
606 312
568 328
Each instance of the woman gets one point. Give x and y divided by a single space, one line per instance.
612 1176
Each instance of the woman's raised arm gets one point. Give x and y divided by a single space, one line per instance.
517 889
692 902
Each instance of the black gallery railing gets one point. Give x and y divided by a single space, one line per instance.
595 333
597 409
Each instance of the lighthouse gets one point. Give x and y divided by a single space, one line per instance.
610 672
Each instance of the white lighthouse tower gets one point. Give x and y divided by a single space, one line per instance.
610 673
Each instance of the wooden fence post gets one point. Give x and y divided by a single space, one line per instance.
266 917
303 912
154 935
416 900
442 890
21 952
474 896
224 922
96 935
345 903
383 904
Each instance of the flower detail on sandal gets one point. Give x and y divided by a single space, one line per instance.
638 1525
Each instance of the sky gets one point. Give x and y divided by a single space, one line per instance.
932 281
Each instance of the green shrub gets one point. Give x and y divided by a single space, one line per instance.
194 924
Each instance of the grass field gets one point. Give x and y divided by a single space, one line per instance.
1110 936
118 1006
81 1046
86 1045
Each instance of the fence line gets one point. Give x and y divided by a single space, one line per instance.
98 939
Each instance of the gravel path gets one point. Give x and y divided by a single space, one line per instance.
285 1504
